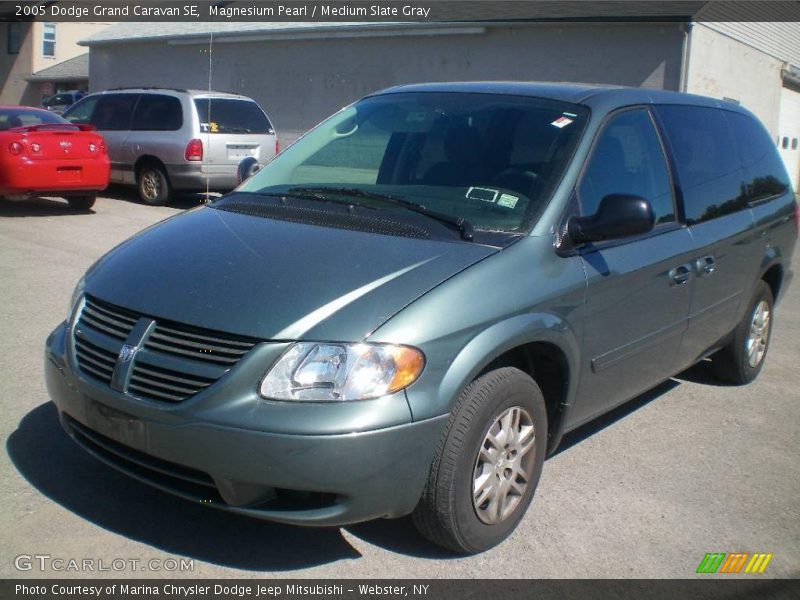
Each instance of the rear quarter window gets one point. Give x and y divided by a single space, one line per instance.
232 116
709 171
764 172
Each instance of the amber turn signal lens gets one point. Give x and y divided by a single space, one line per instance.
409 363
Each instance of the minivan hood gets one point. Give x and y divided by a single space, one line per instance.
273 279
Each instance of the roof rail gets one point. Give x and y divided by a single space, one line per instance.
143 87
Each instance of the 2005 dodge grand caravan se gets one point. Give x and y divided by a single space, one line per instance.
406 310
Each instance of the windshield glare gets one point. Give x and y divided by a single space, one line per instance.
490 159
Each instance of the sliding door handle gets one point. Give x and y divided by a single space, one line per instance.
705 266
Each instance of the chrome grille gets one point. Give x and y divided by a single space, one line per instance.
94 360
175 361
207 346
155 383
109 319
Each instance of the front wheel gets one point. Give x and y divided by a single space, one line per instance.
487 465
741 360
153 184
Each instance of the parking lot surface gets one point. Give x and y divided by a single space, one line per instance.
689 468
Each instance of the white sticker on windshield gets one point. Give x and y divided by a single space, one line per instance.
561 122
507 201
483 194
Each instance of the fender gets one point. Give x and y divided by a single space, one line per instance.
773 256
435 395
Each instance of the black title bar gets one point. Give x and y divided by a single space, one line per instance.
350 589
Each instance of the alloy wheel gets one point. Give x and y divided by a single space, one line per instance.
504 465
759 334
151 185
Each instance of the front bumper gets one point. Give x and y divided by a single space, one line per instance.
309 479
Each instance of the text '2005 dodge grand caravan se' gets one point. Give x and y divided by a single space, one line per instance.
405 311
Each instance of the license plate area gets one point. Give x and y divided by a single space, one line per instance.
240 151
68 174
117 425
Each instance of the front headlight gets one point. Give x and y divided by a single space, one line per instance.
76 295
317 372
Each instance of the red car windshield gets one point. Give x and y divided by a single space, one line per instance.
22 117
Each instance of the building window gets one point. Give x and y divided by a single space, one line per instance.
14 37
49 40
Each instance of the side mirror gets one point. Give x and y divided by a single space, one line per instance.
247 168
618 216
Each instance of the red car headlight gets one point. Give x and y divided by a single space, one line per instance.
15 148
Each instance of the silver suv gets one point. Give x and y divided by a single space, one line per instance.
164 140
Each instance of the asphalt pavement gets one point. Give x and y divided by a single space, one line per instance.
691 467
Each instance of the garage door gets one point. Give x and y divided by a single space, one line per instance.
789 134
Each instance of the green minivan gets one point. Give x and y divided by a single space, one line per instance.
405 311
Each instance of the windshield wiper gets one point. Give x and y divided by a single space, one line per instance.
301 194
463 226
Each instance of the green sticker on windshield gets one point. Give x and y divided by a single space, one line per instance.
507 201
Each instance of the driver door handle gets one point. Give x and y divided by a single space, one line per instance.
680 274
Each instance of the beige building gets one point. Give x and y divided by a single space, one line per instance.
39 59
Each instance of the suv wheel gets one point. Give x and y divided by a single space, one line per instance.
154 187
487 464
82 203
741 360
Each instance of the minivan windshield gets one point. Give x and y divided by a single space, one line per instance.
490 160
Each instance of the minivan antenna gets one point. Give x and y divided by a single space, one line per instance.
208 112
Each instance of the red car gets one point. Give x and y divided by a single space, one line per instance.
43 154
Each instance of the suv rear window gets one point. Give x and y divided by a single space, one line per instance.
228 115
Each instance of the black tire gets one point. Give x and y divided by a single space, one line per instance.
446 513
733 362
82 203
153 185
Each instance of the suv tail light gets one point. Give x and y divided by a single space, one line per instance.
277 146
194 150
797 218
